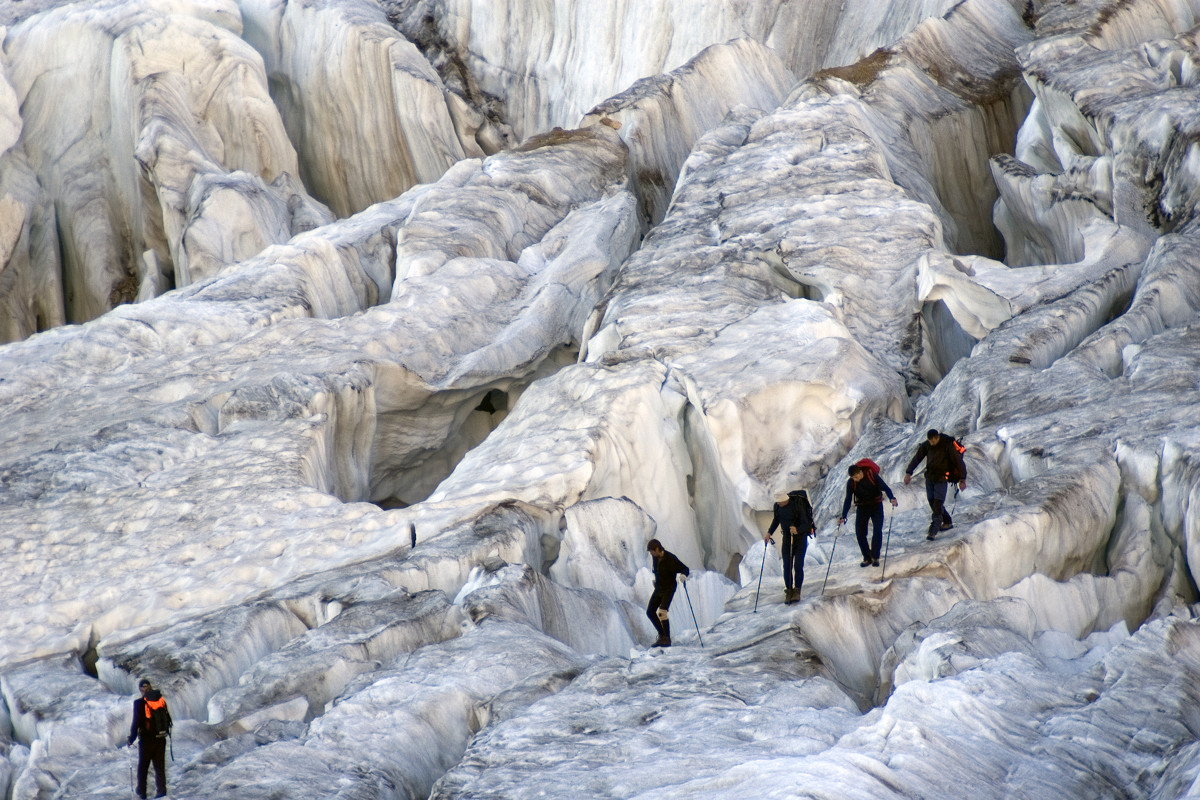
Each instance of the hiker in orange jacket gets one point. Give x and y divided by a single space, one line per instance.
151 726
943 457
866 488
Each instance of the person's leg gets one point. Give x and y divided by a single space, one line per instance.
143 765
787 561
798 551
652 613
861 518
158 755
936 494
664 622
877 531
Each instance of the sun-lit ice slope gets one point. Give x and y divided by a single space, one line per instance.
356 349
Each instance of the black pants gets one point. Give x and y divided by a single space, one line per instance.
863 515
660 599
152 750
794 548
939 518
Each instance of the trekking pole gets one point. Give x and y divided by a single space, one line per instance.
954 504
888 541
760 572
132 788
832 550
697 624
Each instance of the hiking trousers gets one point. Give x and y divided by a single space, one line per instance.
935 493
660 599
152 750
794 548
863 515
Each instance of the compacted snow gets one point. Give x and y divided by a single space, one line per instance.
356 349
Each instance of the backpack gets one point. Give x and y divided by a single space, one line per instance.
803 515
870 469
158 720
959 471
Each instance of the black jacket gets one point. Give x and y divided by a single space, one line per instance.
665 570
867 492
141 723
945 462
796 512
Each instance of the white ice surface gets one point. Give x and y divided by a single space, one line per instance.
186 483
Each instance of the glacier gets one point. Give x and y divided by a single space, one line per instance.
352 351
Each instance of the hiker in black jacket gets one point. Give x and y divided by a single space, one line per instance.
866 488
666 567
151 726
794 519
943 465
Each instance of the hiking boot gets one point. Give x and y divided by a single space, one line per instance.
947 526
866 562
661 642
930 535
874 562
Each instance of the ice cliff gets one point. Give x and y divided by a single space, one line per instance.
356 348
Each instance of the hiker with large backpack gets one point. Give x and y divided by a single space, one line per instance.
794 519
866 488
666 567
151 727
943 456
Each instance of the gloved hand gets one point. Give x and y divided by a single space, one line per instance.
130 742
894 503
683 578
907 479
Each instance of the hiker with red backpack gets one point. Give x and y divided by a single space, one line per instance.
866 488
151 727
943 456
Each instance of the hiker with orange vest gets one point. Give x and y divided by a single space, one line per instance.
943 457
866 488
151 727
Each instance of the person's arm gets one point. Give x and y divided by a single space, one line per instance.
922 450
887 490
681 568
960 462
133 726
849 496
774 523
